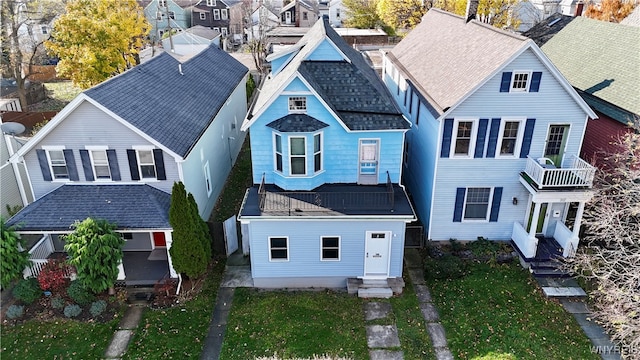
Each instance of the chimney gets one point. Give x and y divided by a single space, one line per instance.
472 10
579 8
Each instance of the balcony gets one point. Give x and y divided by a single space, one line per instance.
574 173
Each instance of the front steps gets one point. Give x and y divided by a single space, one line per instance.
378 288
548 268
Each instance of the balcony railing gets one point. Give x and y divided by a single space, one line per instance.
325 201
575 172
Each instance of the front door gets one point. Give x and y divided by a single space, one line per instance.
368 166
287 18
556 141
377 249
159 240
541 223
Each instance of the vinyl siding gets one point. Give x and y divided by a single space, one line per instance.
88 125
325 52
182 17
9 191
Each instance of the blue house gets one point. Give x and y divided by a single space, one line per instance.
116 150
326 146
496 136
167 14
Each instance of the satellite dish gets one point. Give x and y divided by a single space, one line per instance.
12 128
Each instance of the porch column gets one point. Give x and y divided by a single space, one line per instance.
534 220
169 241
578 220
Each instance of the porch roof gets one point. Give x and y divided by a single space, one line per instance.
128 206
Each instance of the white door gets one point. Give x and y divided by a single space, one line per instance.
368 167
377 249
287 18
230 235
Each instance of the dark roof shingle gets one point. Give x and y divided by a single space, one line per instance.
297 123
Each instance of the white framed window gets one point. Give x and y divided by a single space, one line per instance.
224 31
278 248
203 16
159 15
297 104
277 150
146 164
100 163
44 29
224 14
463 139
216 14
476 204
330 248
57 163
510 137
337 13
207 178
172 15
298 155
520 81
216 29
317 152
160 33
305 16
211 2
162 3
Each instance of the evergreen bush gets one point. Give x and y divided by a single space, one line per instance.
98 307
72 311
15 311
78 293
27 290
57 302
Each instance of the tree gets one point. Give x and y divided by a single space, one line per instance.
188 250
362 14
401 14
257 27
96 39
22 26
13 258
610 256
610 10
95 249
499 13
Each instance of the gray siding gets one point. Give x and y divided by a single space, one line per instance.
9 190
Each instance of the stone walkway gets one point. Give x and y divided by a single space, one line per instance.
122 337
382 340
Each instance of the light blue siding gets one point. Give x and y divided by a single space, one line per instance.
304 247
219 146
182 17
88 125
325 52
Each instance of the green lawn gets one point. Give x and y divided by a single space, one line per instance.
412 331
294 324
177 332
63 339
497 312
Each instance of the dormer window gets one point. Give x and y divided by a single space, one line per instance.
297 104
58 164
211 2
520 81
162 3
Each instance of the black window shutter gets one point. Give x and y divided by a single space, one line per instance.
133 164
535 81
493 137
446 138
157 156
71 165
482 134
495 205
505 84
457 211
418 113
86 164
44 164
113 165
526 140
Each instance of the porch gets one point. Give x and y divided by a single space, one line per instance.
543 174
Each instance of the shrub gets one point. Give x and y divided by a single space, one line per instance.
446 267
98 307
52 277
78 293
72 311
57 302
484 247
15 311
27 290
12 259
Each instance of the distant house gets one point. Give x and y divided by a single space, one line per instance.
299 13
15 191
601 61
263 20
166 14
326 207
214 14
191 41
532 12
337 13
496 136
116 150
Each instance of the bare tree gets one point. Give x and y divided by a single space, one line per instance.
257 25
610 259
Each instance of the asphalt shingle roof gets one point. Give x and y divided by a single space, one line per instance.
173 104
543 31
297 123
601 59
128 206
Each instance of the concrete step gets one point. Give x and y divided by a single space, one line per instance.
545 272
545 264
367 283
563 292
375 292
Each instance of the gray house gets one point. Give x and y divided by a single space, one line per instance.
115 151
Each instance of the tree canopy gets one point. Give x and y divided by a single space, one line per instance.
13 259
610 10
362 14
96 39
499 13
401 14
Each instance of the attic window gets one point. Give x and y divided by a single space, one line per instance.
211 2
162 3
520 82
297 104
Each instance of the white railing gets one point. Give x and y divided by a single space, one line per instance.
42 249
525 244
575 172
34 268
565 238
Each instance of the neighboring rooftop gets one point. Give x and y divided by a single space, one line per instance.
632 19
547 28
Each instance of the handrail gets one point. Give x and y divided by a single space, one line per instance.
576 173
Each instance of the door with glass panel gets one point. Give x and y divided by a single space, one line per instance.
556 142
368 167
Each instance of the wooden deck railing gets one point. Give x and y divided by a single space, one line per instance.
574 173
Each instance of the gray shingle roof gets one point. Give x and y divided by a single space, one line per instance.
173 108
601 59
543 31
297 123
128 206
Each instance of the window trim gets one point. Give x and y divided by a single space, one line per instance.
207 178
224 31
90 149
155 170
224 14
271 259
322 247
203 16
519 138
172 15
472 140
513 79
319 152
211 2
276 153
162 3
489 203
216 14
291 156
61 148
294 108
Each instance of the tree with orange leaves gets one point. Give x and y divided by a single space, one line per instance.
610 10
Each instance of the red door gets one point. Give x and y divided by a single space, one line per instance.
159 239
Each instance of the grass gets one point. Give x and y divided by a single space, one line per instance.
236 185
294 324
59 94
177 332
496 312
64 339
